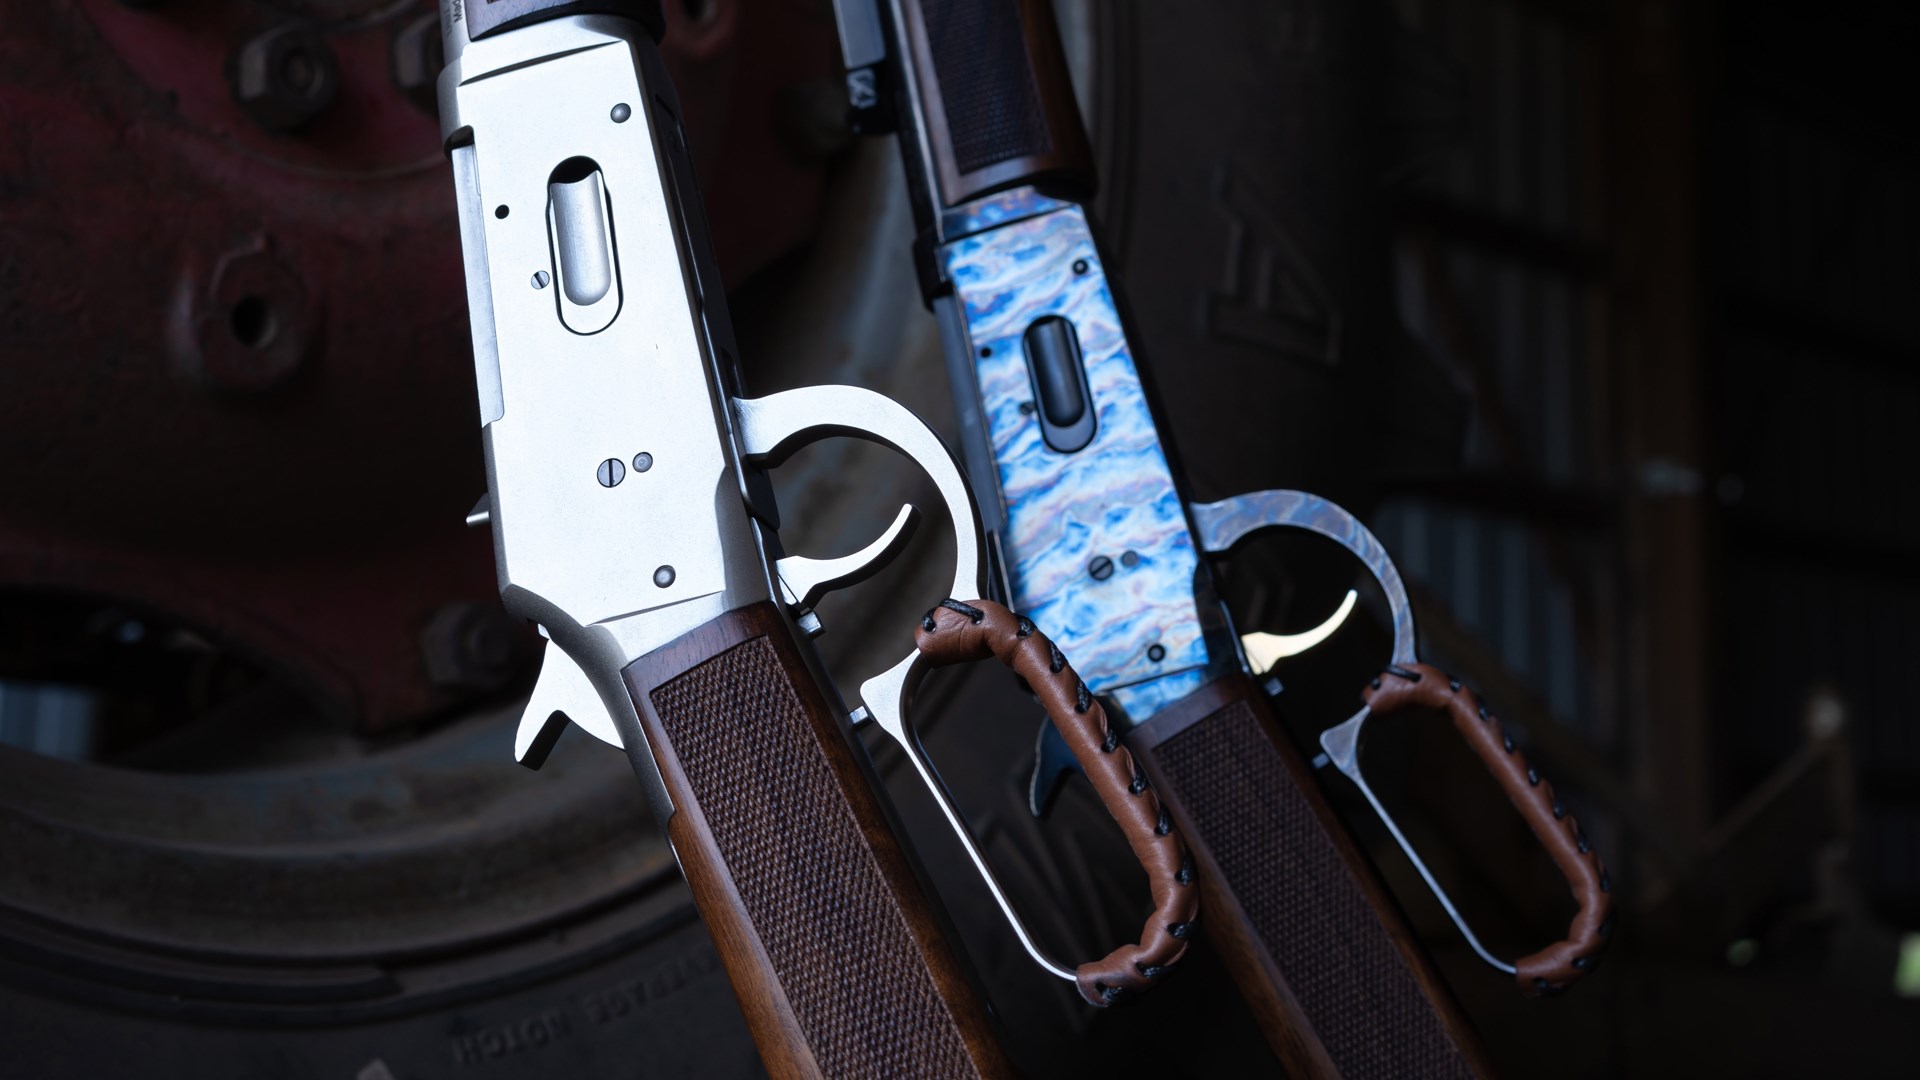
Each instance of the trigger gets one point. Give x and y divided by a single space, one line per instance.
1265 650
804 581
562 693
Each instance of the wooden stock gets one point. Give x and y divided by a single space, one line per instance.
996 99
1311 937
832 949
488 17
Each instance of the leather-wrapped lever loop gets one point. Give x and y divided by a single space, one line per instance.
1555 967
955 632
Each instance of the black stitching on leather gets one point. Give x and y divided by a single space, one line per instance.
1180 931
973 613
1453 685
1410 676
1558 810
1584 963
1506 740
1111 743
1541 985
1164 825
1151 971
1533 776
1056 661
1606 883
1139 785
1082 698
1185 876
1023 626
1484 714
1580 839
1111 994
1375 683
927 623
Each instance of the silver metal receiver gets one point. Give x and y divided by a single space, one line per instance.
591 361
616 457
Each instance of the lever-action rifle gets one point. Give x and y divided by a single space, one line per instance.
1088 531
633 521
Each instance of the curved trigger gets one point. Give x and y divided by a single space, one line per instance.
773 427
1220 525
804 581
1265 650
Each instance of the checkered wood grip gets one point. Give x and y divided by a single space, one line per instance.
995 99
989 99
824 931
1348 1001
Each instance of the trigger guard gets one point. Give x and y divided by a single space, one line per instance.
773 428
1218 526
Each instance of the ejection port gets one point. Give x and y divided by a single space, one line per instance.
580 225
1060 383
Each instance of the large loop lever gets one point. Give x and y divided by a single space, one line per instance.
1553 968
1408 682
955 632
771 429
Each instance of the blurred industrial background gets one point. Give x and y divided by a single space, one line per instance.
1592 309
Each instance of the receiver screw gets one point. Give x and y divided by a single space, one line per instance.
1101 568
611 472
663 577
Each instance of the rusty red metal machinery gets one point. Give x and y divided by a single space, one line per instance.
237 381
239 441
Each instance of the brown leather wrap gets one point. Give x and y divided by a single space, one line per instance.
955 632
1553 968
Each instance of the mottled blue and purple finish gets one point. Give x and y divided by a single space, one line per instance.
1114 497
996 210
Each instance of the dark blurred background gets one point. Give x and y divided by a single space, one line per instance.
1592 310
